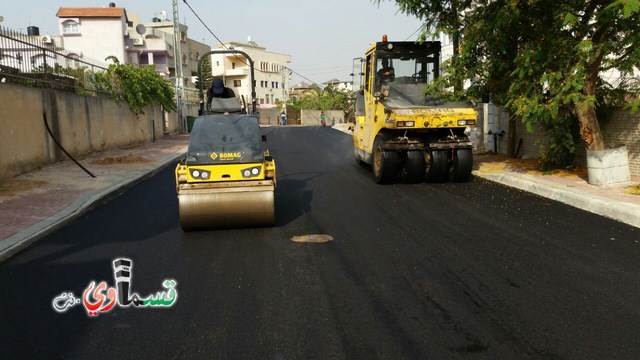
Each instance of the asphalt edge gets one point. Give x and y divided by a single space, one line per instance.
26 238
623 212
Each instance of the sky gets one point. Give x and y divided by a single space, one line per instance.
322 37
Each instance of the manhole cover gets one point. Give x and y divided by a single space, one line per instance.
317 238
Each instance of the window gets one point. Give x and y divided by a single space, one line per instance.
217 63
237 83
183 36
233 65
261 101
72 60
70 27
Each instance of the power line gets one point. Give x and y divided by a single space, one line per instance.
225 46
415 32
203 23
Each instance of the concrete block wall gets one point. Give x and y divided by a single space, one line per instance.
171 122
312 117
269 116
622 129
308 117
495 118
531 141
83 124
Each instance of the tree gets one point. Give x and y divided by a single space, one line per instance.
544 59
138 86
206 74
323 99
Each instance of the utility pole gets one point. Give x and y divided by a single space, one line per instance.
177 55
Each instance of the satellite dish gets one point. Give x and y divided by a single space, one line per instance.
141 29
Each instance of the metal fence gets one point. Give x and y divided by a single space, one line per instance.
38 61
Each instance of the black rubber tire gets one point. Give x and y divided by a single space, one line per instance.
462 165
436 165
413 171
385 163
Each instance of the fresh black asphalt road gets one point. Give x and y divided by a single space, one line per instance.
424 271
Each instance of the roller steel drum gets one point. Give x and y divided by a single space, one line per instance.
226 207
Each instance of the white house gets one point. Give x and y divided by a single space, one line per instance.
94 33
339 85
271 72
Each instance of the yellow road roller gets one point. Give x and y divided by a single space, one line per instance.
227 179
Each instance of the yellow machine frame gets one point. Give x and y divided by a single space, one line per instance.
417 128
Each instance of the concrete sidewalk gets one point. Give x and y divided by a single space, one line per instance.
37 203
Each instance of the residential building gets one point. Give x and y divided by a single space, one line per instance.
339 85
270 68
110 31
149 46
94 33
190 49
299 90
153 44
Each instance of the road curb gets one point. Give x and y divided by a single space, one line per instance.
623 212
31 235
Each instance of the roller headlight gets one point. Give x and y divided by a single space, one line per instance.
200 174
466 122
251 172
